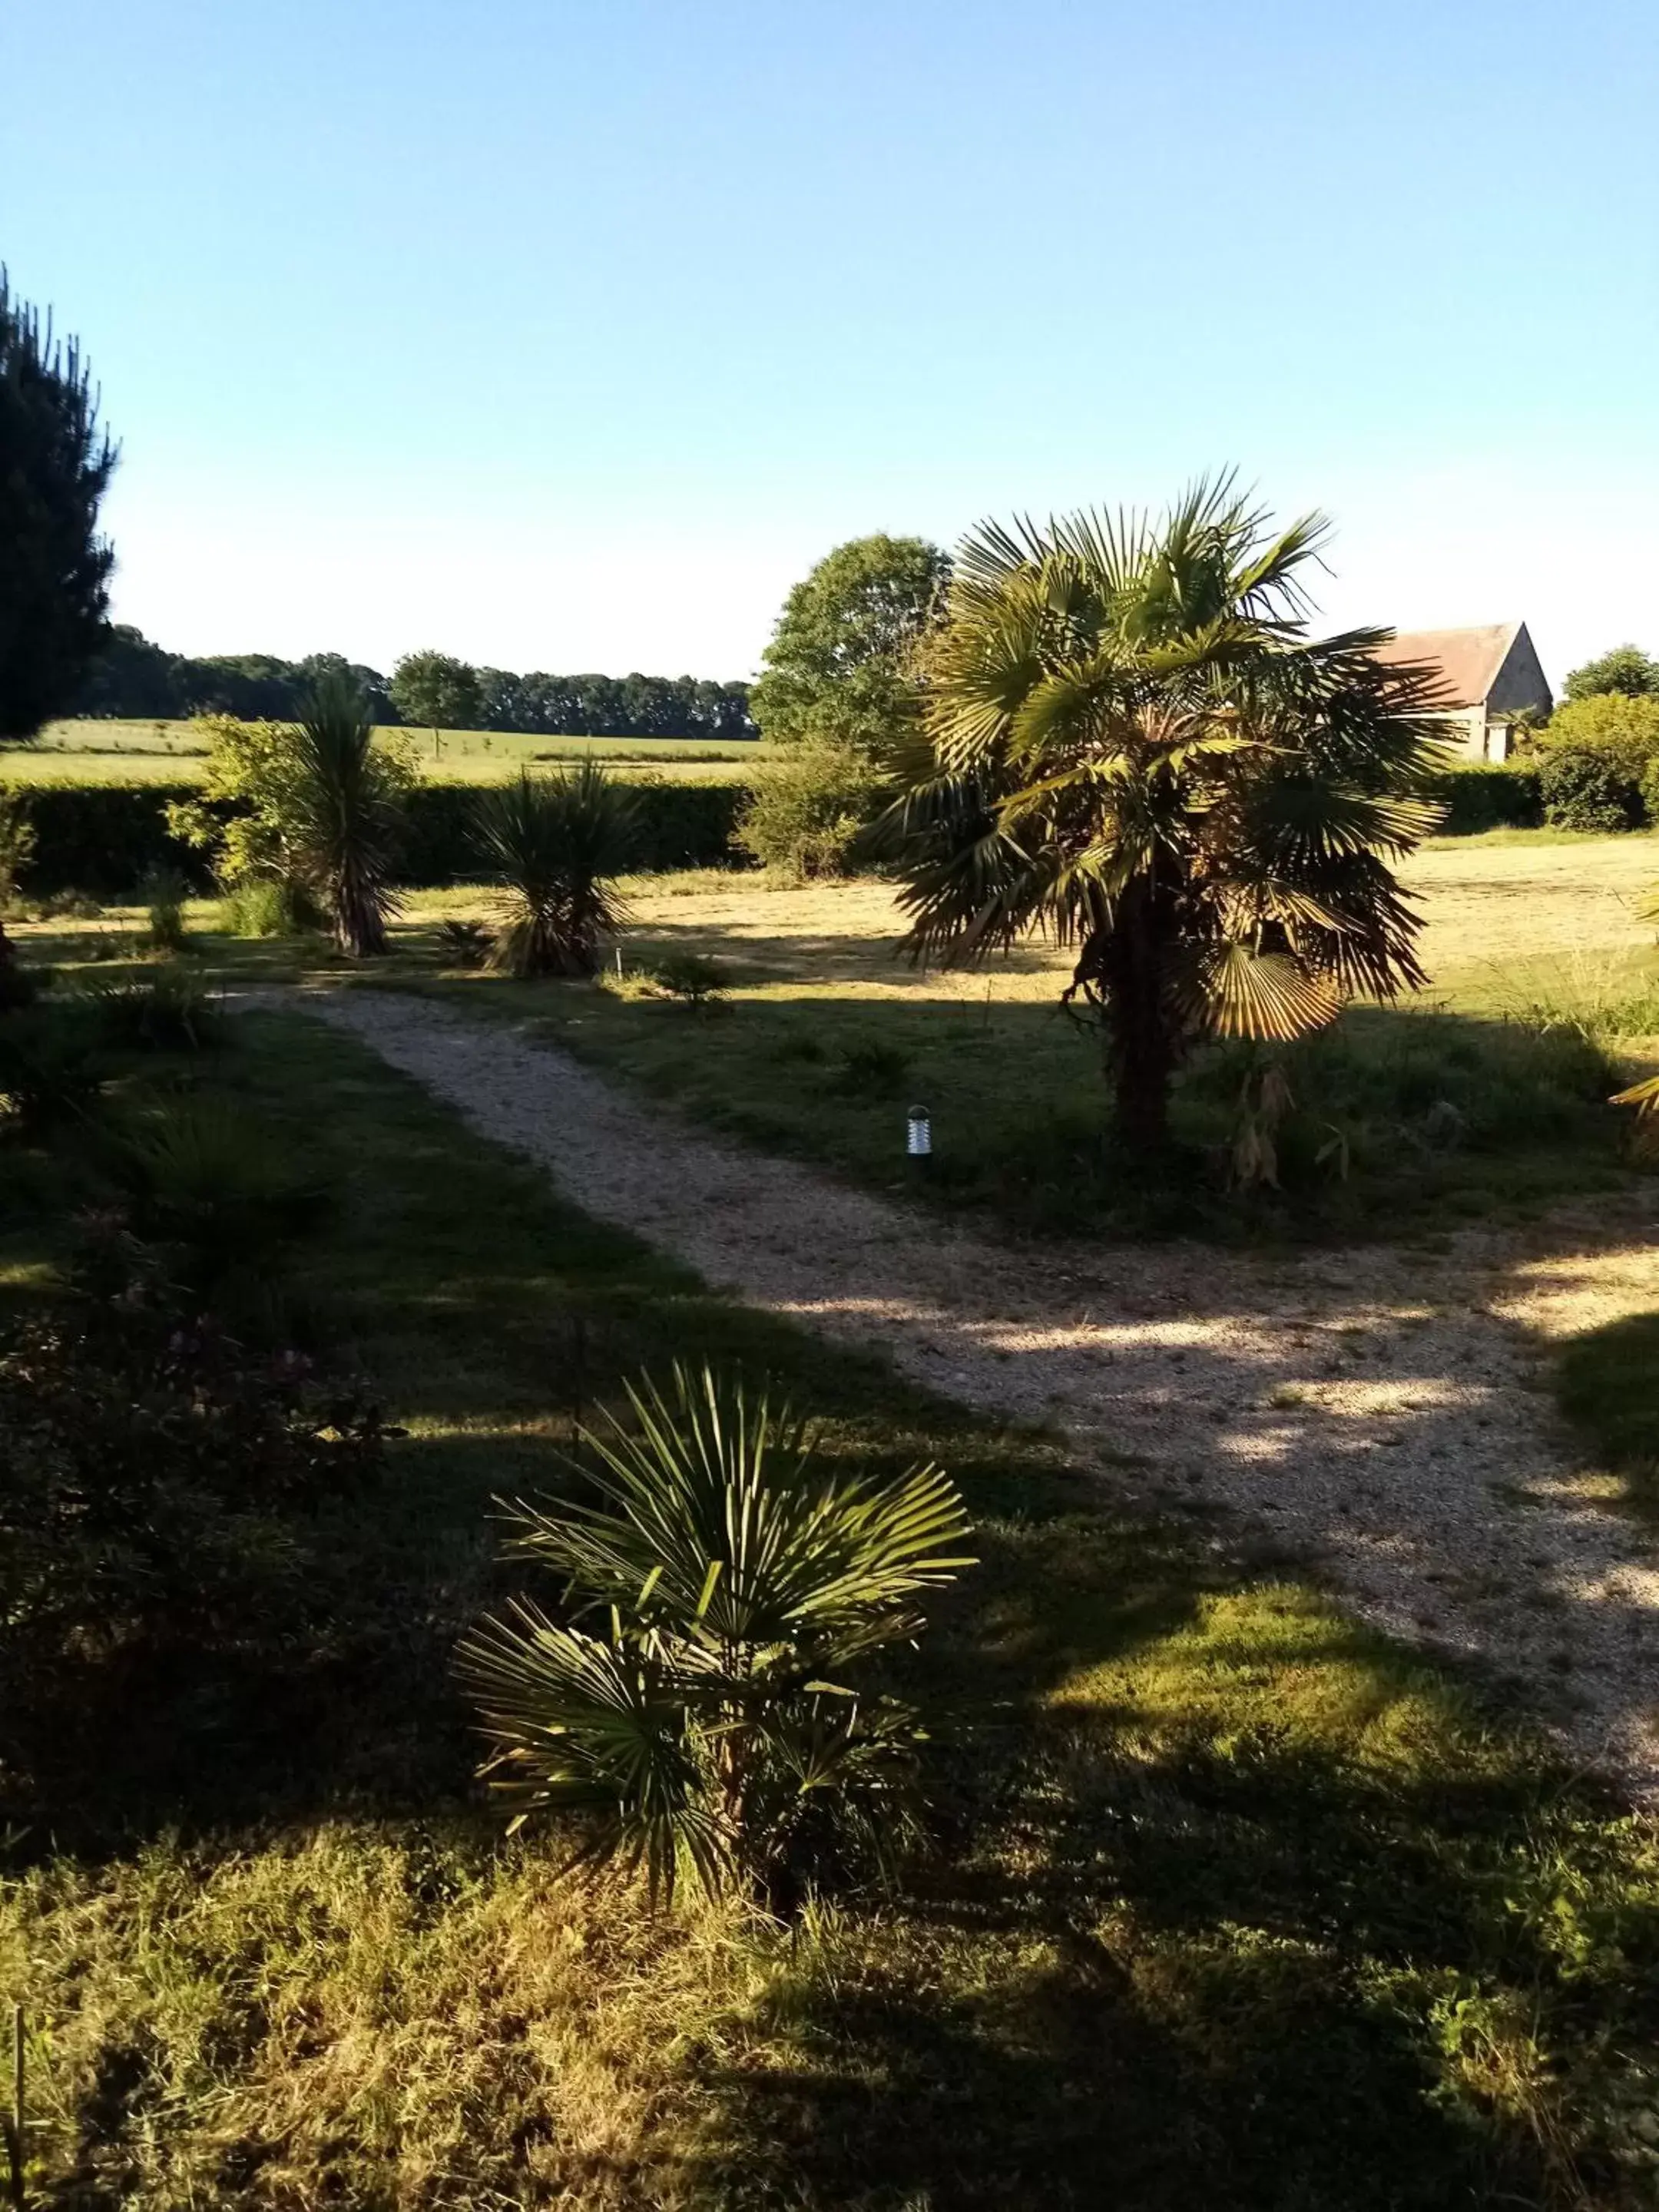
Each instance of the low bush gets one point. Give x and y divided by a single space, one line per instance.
52 1068
1649 791
167 1011
18 840
1586 791
688 976
270 906
210 1184
163 893
465 944
811 801
1622 730
871 1068
157 1474
708 1717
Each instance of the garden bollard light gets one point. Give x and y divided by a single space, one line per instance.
919 1142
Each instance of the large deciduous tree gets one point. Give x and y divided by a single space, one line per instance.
836 668
55 465
1625 669
1134 743
436 690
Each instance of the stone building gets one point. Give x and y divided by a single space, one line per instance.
1490 677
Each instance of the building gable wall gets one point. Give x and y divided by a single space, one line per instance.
1520 683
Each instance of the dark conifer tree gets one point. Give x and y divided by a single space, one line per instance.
55 465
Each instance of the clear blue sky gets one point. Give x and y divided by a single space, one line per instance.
566 335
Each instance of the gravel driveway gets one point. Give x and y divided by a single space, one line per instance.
1379 1413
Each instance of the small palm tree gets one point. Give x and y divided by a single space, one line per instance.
345 803
1134 746
694 1703
558 842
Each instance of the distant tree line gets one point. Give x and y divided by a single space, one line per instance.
133 680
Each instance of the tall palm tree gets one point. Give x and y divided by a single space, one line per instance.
558 841
346 801
1133 746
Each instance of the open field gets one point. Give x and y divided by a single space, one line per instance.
170 752
1231 1901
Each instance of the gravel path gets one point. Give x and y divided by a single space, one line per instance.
1378 1413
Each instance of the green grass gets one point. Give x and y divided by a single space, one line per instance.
1498 839
1405 1120
1607 1384
1232 1901
171 752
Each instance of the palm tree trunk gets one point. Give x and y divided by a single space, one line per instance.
1129 961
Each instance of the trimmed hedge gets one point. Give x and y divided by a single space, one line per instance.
1488 797
104 839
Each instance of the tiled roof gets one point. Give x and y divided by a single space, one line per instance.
1468 659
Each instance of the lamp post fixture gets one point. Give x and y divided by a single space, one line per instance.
919 1137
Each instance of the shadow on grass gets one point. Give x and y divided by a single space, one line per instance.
1607 1385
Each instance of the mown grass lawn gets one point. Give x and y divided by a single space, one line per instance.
1230 1902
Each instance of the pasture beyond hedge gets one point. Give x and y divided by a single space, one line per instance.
103 839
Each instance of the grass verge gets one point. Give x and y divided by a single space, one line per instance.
1608 1384
1231 1901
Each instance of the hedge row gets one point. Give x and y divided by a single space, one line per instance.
1489 798
104 838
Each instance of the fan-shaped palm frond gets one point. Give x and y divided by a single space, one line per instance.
691 1702
1138 749
557 841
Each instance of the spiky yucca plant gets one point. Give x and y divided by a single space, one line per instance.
1134 746
693 1698
345 799
557 841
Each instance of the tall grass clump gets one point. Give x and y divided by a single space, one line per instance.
163 893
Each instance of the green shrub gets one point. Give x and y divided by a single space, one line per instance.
269 906
156 1476
211 1183
20 987
163 892
1380 1092
1621 730
1488 797
1649 791
167 1011
811 801
18 840
52 1067
688 976
871 1069
705 1719
105 839
465 944
1586 791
